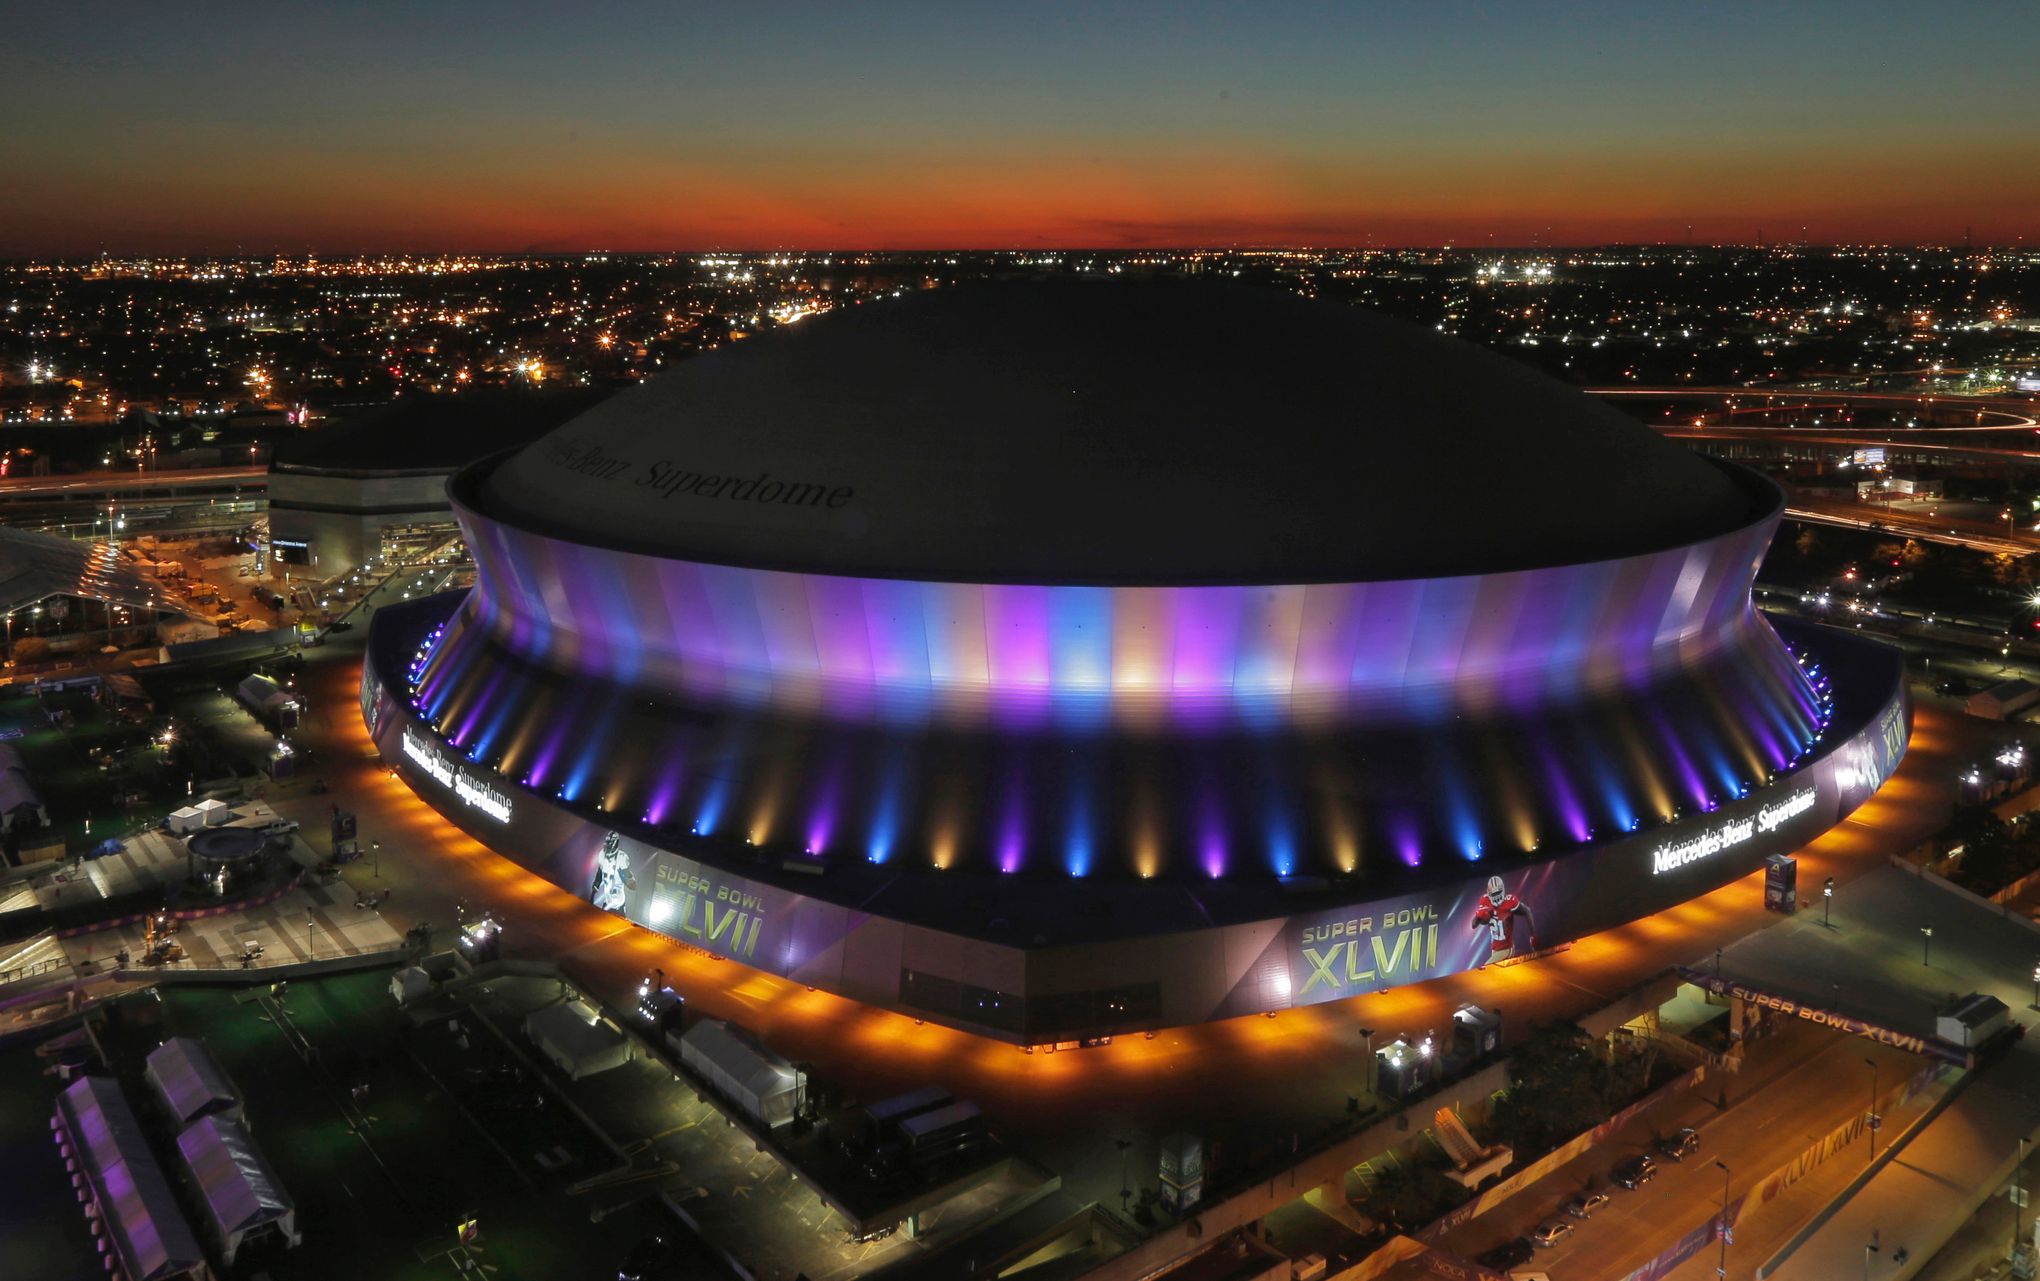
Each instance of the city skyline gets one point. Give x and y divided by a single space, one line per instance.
369 129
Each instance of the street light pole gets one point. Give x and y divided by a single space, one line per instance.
309 922
1873 1107
1721 1268
1827 896
2018 1197
1927 946
1368 1033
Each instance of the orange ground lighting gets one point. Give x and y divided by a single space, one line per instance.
1177 1069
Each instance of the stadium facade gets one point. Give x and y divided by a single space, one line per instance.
1055 660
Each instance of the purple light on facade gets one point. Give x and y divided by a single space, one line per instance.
827 804
666 792
1140 657
1409 843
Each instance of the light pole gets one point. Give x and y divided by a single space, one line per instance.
375 852
1721 1268
1873 1108
1927 946
1125 1145
2018 1197
2036 985
1368 1034
309 922
1868 1250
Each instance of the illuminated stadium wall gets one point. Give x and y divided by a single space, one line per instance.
1143 965
1023 655
1208 732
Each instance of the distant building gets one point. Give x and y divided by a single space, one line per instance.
347 494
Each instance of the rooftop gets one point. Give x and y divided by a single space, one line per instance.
1114 432
434 433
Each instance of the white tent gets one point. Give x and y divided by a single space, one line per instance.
410 984
213 812
188 819
189 1082
242 1194
741 1069
576 1038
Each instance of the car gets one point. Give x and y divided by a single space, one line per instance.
1550 1233
1679 1144
1634 1173
1509 1254
1581 1205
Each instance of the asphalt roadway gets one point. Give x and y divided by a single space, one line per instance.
1246 1085
1788 1096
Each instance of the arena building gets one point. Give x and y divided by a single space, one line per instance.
1055 660
374 488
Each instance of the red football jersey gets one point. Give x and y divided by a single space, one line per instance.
1500 918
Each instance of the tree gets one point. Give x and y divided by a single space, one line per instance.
2007 570
1558 1086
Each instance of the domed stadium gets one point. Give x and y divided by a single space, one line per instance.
1062 658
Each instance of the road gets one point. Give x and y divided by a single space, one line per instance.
1984 536
101 482
1786 1099
1244 1084
2013 407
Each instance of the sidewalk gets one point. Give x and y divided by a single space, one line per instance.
1926 1195
1982 1243
309 923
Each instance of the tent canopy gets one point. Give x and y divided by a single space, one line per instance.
148 1229
735 1063
35 567
573 1036
189 1081
241 1190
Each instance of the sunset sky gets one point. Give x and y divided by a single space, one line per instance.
266 127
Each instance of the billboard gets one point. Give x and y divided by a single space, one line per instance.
731 916
1517 911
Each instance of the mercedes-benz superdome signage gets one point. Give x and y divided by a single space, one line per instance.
1716 837
474 791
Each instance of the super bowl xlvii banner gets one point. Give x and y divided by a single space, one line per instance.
1390 942
733 916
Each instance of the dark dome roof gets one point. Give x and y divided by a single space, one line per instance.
1114 432
434 433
